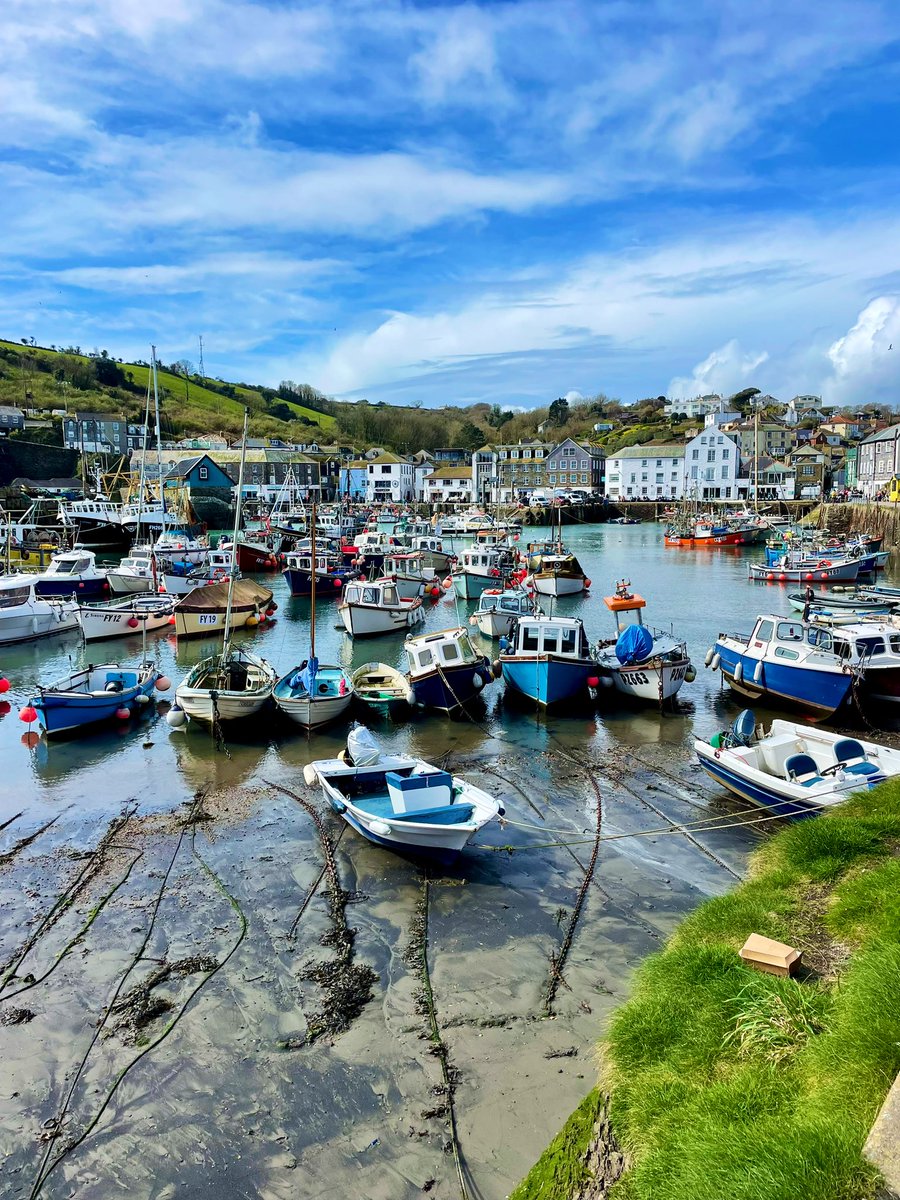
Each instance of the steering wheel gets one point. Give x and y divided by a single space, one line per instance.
833 770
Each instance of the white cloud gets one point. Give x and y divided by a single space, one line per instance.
460 51
866 360
723 371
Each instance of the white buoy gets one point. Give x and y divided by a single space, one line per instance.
380 827
176 717
310 774
141 699
477 681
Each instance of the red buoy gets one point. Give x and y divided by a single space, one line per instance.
28 714
4 685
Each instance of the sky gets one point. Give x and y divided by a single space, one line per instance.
436 203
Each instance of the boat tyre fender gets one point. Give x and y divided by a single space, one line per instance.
715 663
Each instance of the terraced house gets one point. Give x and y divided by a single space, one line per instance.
521 469
646 473
575 465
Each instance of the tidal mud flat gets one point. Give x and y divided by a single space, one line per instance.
228 997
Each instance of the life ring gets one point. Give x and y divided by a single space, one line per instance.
495 573
825 562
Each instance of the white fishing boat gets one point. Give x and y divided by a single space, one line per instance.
410 574
135 573
383 688
181 544
559 575
402 803
180 578
499 610
377 607
25 616
235 683
119 618
314 694
644 663
479 568
794 770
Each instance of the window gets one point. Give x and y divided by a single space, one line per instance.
790 631
584 464
783 652
529 637
550 643
660 478
450 652
568 642
765 631
643 462
869 645
724 454
725 471
14 596
584 478
695 454
710 456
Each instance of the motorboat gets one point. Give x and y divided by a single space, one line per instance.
72 573
791 568
548 659
314 694
382 688
26 616
644 663
793 770
402 803
129 615
788 661
410 574
499 609
135 573
559 575
181 544
331 574
479 568
178 578
377 607
95 695
853 600
207 609
445 669
229 686
431 547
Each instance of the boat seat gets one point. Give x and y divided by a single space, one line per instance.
776 751
441 814
852 754
802 769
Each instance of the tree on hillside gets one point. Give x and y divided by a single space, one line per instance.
559 411
107 371
185 368
498 416
469 436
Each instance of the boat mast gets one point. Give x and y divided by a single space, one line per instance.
234 540
312 604
755 456
140 506
162 490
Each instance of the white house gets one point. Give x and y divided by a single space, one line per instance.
646 473
484 469
390 479
712 467
449 485
698 407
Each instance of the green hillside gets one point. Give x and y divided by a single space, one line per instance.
49 378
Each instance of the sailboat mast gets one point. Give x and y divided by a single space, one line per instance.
140 507
162 490
312 605
234 540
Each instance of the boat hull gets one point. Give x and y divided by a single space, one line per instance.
98 624
469 586
362 620
653 682
755 793
31 626
81 589
128 585
61 712
558 585
821 693
546 679
300 582
451 688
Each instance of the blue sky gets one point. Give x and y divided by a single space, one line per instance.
450 203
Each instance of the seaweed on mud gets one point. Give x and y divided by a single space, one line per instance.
16 1016
140 1006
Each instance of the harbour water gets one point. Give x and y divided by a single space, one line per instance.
226 1093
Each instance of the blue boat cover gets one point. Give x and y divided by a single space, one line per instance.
634 645
307 675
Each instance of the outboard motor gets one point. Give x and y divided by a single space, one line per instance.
743 728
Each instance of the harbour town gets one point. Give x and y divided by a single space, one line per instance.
449 601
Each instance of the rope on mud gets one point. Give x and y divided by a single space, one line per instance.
314 887
347 985
25 842
9 822
558 960
164 1033
417 952
73 942
67 897
55 1131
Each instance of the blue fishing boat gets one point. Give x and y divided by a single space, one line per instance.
785 661
331 575
445 670
96 694
548 659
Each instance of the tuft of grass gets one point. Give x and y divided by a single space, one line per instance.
774 1017
867 904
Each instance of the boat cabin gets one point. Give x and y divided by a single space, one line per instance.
15 591
537 636
481 561
325 563
380 593
74 562
625 606
515 604
447 648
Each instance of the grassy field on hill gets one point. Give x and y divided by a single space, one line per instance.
729 1083
192 409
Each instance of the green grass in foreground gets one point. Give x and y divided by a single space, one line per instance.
727 1083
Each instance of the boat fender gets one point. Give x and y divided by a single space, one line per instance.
496 668
176 717
310 774
381 828
690 674
477 682
757 671
738 671
709 656
141 699
716 662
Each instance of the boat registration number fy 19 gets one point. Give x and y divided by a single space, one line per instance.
208 619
